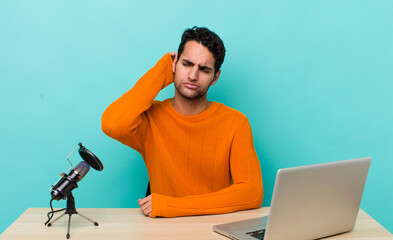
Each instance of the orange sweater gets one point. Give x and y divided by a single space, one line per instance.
200 164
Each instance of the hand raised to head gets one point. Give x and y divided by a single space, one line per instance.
173 55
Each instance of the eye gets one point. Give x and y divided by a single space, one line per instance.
186 64
205 70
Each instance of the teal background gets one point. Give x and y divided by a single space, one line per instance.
313 77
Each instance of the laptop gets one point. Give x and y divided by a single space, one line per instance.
308 202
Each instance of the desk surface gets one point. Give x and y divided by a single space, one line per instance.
129 223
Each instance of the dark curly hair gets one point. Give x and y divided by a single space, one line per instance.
208 39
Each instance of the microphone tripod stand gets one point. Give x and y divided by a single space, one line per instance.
70 210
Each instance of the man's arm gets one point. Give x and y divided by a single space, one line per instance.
125 120
246 192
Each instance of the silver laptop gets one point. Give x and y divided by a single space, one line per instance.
308 202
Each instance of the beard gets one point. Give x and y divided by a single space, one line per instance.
190 95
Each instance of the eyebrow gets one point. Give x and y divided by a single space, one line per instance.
202 67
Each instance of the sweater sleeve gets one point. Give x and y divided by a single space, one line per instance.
125 119
246 192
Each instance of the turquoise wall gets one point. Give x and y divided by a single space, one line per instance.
313 77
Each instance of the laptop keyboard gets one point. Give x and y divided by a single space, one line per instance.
258 234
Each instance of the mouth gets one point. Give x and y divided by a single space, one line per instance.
190 85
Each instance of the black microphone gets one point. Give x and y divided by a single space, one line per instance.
69 182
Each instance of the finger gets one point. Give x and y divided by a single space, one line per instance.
146 206
147 212
142 211
143 208
175 57
145 200
140 202
146 209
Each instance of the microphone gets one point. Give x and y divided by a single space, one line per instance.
69 182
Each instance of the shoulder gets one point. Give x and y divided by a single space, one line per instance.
231 117
236 114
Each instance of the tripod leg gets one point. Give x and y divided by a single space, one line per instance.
50 224
68 229
88 219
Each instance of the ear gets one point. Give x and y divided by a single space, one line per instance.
216 76
174 63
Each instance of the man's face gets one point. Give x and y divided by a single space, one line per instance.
194 71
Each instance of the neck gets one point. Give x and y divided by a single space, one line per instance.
189 107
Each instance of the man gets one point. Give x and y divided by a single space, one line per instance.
199 154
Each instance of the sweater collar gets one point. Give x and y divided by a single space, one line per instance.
193 118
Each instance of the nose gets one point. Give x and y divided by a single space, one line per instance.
193 73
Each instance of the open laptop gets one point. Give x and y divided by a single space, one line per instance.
308 202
